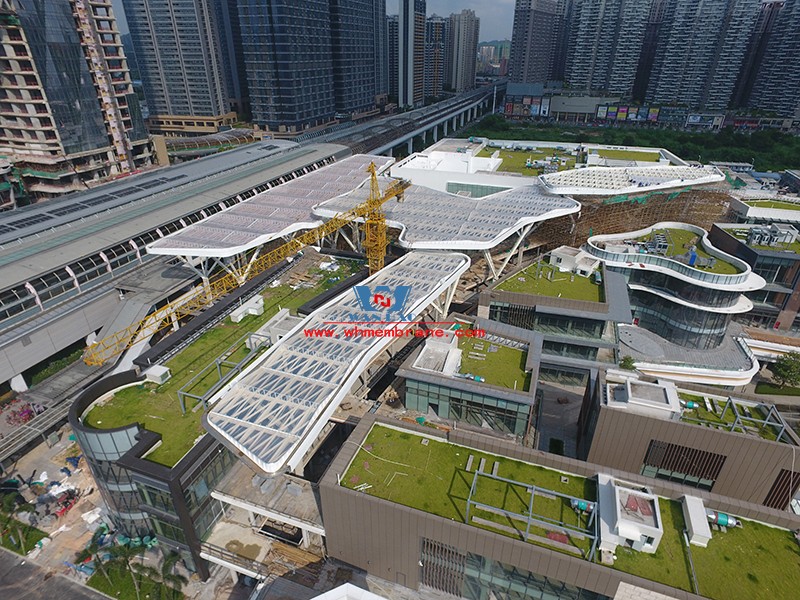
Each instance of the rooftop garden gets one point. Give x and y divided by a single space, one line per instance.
779 204
754 561
516 161
497 364
543 279
741 235
637 155
719 417
680 240
432 476
156 407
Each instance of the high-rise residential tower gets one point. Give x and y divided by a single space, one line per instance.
69 113
381 49
437 58
778 81
353 47
411 53
605 43
392 48
768 14
535 40
288 62
700 52
182 64
464 33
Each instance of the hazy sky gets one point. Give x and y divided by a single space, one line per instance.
497 16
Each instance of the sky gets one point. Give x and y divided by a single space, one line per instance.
497 16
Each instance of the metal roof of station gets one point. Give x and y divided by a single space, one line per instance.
274 411
272 214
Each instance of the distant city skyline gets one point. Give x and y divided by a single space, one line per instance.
496 17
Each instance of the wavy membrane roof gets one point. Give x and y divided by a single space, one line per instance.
271 214
430 219
277 407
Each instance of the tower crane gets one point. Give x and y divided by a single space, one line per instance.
203 296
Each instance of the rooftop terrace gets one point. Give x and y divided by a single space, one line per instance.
156 407
635 155
546 280
762 420
754 561
495 363
678 243
516 161
779 204
741 235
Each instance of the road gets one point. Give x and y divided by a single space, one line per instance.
20 579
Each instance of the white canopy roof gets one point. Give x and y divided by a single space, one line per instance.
277 407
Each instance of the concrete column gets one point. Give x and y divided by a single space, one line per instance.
435 133
18 383
410 145
462 119
444 128
234 576
91 338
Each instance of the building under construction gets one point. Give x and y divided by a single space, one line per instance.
68 112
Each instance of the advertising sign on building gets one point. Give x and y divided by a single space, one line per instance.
545 109
612 112
526 100
622 113
652 115
601 112
535 105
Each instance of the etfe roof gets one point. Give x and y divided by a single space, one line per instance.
432 219
618 180
277 407
271 214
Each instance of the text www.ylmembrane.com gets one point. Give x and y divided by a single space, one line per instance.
381 332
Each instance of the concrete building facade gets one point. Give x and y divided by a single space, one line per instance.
181 61
437 55
535 41
411 54
464 35
70 115
778 79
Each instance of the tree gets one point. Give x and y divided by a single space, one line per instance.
10 507
165 577
786 369
124 556
92 550
627 363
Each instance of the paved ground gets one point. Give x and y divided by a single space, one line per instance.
22 579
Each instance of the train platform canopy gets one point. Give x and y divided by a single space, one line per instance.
429 219
272 214
275 410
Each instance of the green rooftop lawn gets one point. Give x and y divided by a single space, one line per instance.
669 563
560 285
765 387
433 478
637 155
158 409
754 562
504 367
681 239
515 161
701 415
773 204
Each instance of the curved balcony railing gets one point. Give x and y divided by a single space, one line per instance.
670 263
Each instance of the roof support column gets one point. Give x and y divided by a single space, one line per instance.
522 235
487 255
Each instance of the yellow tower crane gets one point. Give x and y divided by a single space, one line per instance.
201 297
